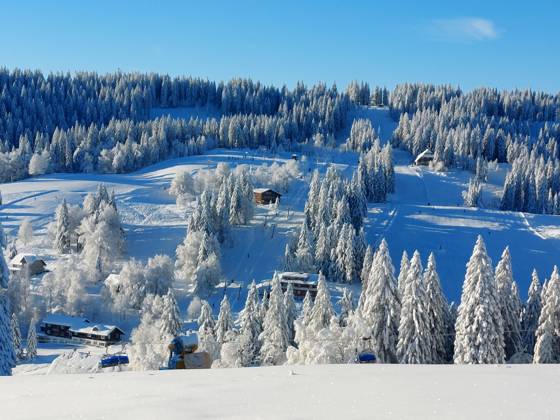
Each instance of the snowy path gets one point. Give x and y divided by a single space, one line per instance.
323 392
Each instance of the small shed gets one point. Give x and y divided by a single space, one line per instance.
424 158
66 328
30 262
266 196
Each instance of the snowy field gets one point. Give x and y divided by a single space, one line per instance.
319 392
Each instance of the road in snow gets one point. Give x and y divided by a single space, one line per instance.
292 392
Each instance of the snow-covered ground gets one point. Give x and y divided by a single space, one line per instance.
319 392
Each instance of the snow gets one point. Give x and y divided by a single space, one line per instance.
322 392
79 325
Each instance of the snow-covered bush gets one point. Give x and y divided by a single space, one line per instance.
276 176
182 187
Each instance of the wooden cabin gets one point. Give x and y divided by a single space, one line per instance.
70 329
30 262
424 158
266 196
301 284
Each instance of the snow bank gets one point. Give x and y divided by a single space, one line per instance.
75 362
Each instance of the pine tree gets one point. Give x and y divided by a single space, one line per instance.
31 350
16 335
225 320
382 306
62 226
416 340
7 353
274 337
322 311
346 306
170 317
305 250
251 327
206 320
291 311
403 272
547 346
531 313
437 312
510 317
307 309
366 266
479 331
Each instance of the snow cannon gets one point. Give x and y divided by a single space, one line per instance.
182 353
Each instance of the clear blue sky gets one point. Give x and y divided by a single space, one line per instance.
505 44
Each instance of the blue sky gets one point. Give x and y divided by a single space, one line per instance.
505 44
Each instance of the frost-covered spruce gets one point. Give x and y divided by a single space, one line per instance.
403 272
346 306
205 319
531 313
62 227
322 311
416 340
16 336
7 353
291 310
31 348
305 250
547 346
366 266
307 309
437 312
251 327
225 320
274 337
382 306
171 322
479 331
508 307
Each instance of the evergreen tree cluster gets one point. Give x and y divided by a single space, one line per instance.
361 94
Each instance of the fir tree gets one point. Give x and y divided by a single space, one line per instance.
479 331
403 272
531 313
382 306
291 311
225 320
170 317
547 346
510 315
274 337
307 309
62 226
250 327
322 311
416 339
346 306
16 335
31 349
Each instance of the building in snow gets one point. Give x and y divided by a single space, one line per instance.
69 329
30 262
424 158
266 196
301 283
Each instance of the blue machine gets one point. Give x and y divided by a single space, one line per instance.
114 360
366 357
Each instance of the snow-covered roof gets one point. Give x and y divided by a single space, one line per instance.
113 280
262 190
299 276
25 259
79 325
426 154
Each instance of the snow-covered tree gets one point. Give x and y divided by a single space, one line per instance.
510 314
25 232
39 163
307 308
7 353
531 313
16 336
322 311
471 197
274 337
291 311
479 331
182 187
206 319
381 305
547 346
416 341
225 320
346 305
62 228
171 322
437 312
31 348
403 272
250 327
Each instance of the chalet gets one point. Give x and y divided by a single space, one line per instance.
30 262
301 283
266 196
424 158
69 329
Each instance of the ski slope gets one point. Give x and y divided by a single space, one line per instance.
320 392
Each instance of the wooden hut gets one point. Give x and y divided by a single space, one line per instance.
266 196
